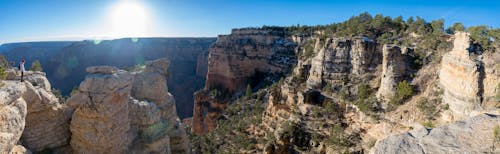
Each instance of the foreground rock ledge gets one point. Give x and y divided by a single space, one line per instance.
474 135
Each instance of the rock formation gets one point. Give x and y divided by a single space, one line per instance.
474 135
461 78
339 60
121 112
100 122
245 57
234 59
394 69
150 87
39 115
47 125
12 114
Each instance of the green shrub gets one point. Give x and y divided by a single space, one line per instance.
248 92
36 66
337 137
427 108
403 91
496 133
363 91
428 124
3 73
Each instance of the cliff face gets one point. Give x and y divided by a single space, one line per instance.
100 122
237 58
33 115
339 61
468 79
133 111
394 70
245 57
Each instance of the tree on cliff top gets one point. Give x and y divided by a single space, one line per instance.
248 92
36 66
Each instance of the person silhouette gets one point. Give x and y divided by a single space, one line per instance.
21 68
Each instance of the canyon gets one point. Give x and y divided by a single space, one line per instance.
113 111
65 62
269 89
345 94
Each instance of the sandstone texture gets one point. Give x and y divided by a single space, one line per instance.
474 135
47 125
339 60
100 122
245 57
33 110
235 58
155 116
462 78
13 113
120 112
394 69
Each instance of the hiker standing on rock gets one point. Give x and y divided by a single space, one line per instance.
21 68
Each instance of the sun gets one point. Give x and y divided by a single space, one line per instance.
129 19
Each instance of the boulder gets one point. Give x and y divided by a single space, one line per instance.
100 122
12 114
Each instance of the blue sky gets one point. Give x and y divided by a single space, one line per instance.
37 20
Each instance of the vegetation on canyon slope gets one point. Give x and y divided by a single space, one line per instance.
238 128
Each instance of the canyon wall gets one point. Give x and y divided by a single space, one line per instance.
65 62
463 78
394 70
251 57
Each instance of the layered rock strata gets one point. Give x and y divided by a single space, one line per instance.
133 111
460 77
47 125
100 122
339 60
394 70
157 105
245 57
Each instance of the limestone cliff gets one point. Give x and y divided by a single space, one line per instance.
47 125
339 61
245 57
467 78
100 122
133 111
394 70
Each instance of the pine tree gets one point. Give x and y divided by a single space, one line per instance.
36 66
248 93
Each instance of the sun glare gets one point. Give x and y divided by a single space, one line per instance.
129 19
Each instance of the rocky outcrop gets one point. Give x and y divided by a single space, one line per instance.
121 112
462 77
394 69
100 122
161 125
474 135
12 114
47 125
339 60
236 58
245 57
